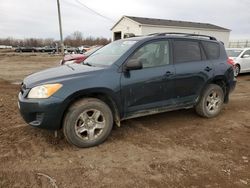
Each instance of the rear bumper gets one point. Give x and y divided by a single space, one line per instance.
42 113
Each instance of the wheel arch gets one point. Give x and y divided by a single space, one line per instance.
103 94
237 64
221 81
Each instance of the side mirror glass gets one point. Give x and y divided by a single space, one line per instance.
133 64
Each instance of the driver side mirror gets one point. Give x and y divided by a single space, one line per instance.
133 64
246 56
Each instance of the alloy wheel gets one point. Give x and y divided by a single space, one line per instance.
213 102
90 124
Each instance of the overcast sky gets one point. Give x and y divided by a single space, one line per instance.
39 19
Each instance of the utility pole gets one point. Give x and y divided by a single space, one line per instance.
60 26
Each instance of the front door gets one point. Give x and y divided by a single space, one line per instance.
152 86
245 61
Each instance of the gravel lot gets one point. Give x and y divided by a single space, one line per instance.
174 149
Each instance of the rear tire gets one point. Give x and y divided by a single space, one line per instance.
87 123
211 101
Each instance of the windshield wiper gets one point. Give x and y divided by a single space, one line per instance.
70 67
86 63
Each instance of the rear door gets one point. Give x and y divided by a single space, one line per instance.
152 86
193 70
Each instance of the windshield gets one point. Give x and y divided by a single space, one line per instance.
91 51
233 53
108 54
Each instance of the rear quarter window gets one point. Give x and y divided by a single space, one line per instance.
186 51
212 49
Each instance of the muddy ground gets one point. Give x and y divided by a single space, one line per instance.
174 149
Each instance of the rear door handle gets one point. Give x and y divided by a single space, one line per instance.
208 69
168 73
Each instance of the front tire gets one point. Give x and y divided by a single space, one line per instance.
88 123
237 70
211 101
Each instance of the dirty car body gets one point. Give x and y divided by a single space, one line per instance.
131 87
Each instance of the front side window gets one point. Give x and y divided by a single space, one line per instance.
152 54
186 51
246 52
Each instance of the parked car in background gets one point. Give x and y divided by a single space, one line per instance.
241 58
72 58
78 58
48 49
25 49
125 79
70 50
83 49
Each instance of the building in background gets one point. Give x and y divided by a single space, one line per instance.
144 26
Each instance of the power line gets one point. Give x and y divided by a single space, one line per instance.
95 12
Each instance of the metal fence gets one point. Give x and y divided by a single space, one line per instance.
239 44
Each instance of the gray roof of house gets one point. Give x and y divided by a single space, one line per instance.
158 22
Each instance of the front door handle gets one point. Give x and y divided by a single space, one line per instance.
208 69
168 73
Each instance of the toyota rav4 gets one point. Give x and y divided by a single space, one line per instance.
129 78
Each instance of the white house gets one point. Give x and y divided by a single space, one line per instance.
144 26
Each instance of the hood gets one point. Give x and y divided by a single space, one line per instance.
59 74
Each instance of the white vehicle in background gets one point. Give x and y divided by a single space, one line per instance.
5 47
241 57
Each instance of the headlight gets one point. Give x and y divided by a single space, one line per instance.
43 91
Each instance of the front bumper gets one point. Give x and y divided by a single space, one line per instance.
42 113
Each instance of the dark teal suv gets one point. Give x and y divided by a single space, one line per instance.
126 79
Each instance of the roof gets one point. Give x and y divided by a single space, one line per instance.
238 48
173 23
150 37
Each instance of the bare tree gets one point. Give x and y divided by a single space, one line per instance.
75 39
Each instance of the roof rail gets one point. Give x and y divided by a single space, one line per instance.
183 34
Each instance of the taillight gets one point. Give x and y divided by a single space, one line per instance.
231 62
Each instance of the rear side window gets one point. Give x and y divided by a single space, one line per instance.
186 51
212 49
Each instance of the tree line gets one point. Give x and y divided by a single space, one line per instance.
75 39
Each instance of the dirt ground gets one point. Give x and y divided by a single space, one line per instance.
174 149
15 66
